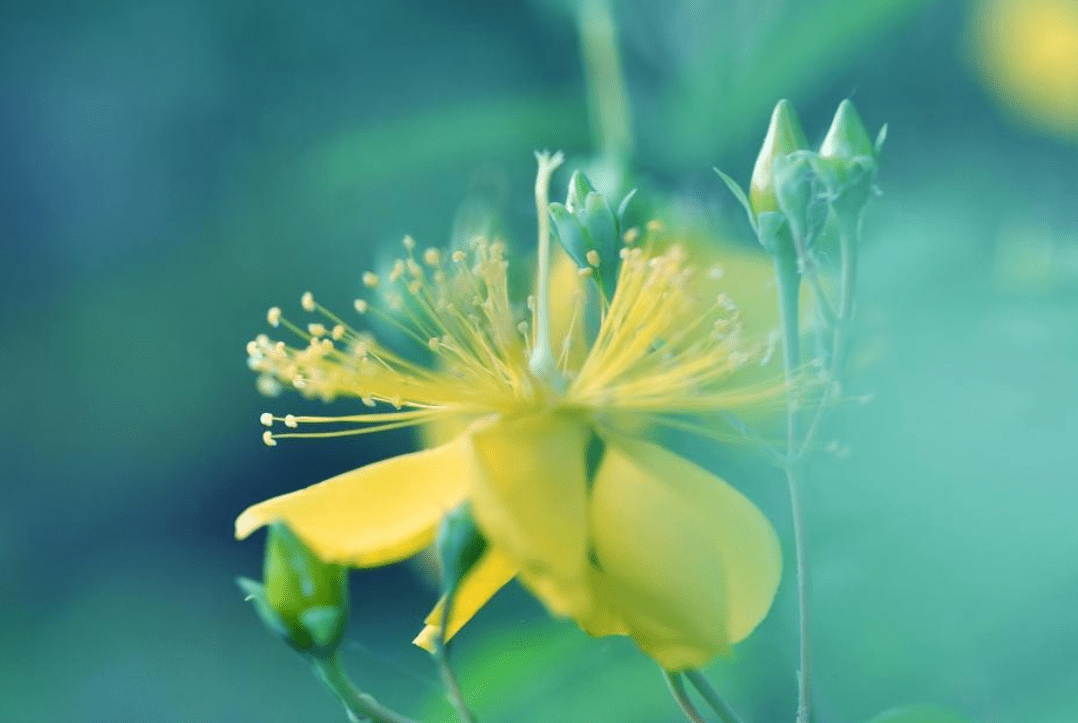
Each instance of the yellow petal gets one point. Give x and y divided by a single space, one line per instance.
488 576
373 515
690 564
530 503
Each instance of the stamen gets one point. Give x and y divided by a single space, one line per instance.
307 301
273 316
370 280
266 419
268 440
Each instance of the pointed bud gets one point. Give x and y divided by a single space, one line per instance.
460 544
308 596
847 161
784 136
847 138
586 225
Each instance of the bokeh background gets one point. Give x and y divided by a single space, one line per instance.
170 168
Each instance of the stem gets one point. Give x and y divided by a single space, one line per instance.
608 105
712 697
849 229
789 286
804 700
359 705
543 363
681 697
449 677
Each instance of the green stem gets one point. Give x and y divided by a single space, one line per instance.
449 677
788 277
359 705
849 229
608 104
712 697
681 697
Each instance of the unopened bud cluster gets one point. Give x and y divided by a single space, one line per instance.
793 189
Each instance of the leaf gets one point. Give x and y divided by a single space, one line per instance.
741 197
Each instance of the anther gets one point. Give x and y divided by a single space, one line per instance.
631 235
433 343
361 306
459 256
307 301
268 440
593 257
432 257
290 421
397 271
338 332
316 329
408 243
273 316
370 280
655 225
586 272
367 401
266 419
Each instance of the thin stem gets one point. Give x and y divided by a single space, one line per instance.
449 677
681 697
712 697
849 232
543 362
608 104
359 705
804 698
789 284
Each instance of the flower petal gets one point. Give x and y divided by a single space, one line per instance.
374 515
688 561
490 574
530 501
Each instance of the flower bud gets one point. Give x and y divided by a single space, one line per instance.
589 231
459 544
847 160
847 138
303 599
784 136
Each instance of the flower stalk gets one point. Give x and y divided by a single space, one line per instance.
359 705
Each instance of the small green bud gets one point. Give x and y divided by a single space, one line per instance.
308 596
460 544
847 160
784 136
847 138
589 231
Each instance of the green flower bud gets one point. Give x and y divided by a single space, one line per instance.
460 544
589 231
784 136
847 160
307 597
847 138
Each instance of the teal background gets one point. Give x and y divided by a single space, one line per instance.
171 168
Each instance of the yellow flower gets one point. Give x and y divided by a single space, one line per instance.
1027 54
602 525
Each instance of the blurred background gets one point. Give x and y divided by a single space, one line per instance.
171 168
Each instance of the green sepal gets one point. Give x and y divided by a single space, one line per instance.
255 593
623 207
774 234
579 188
570 234
460 544
801 195
324 624
880 138
919 714
739 194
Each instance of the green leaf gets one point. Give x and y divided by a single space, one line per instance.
739 194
